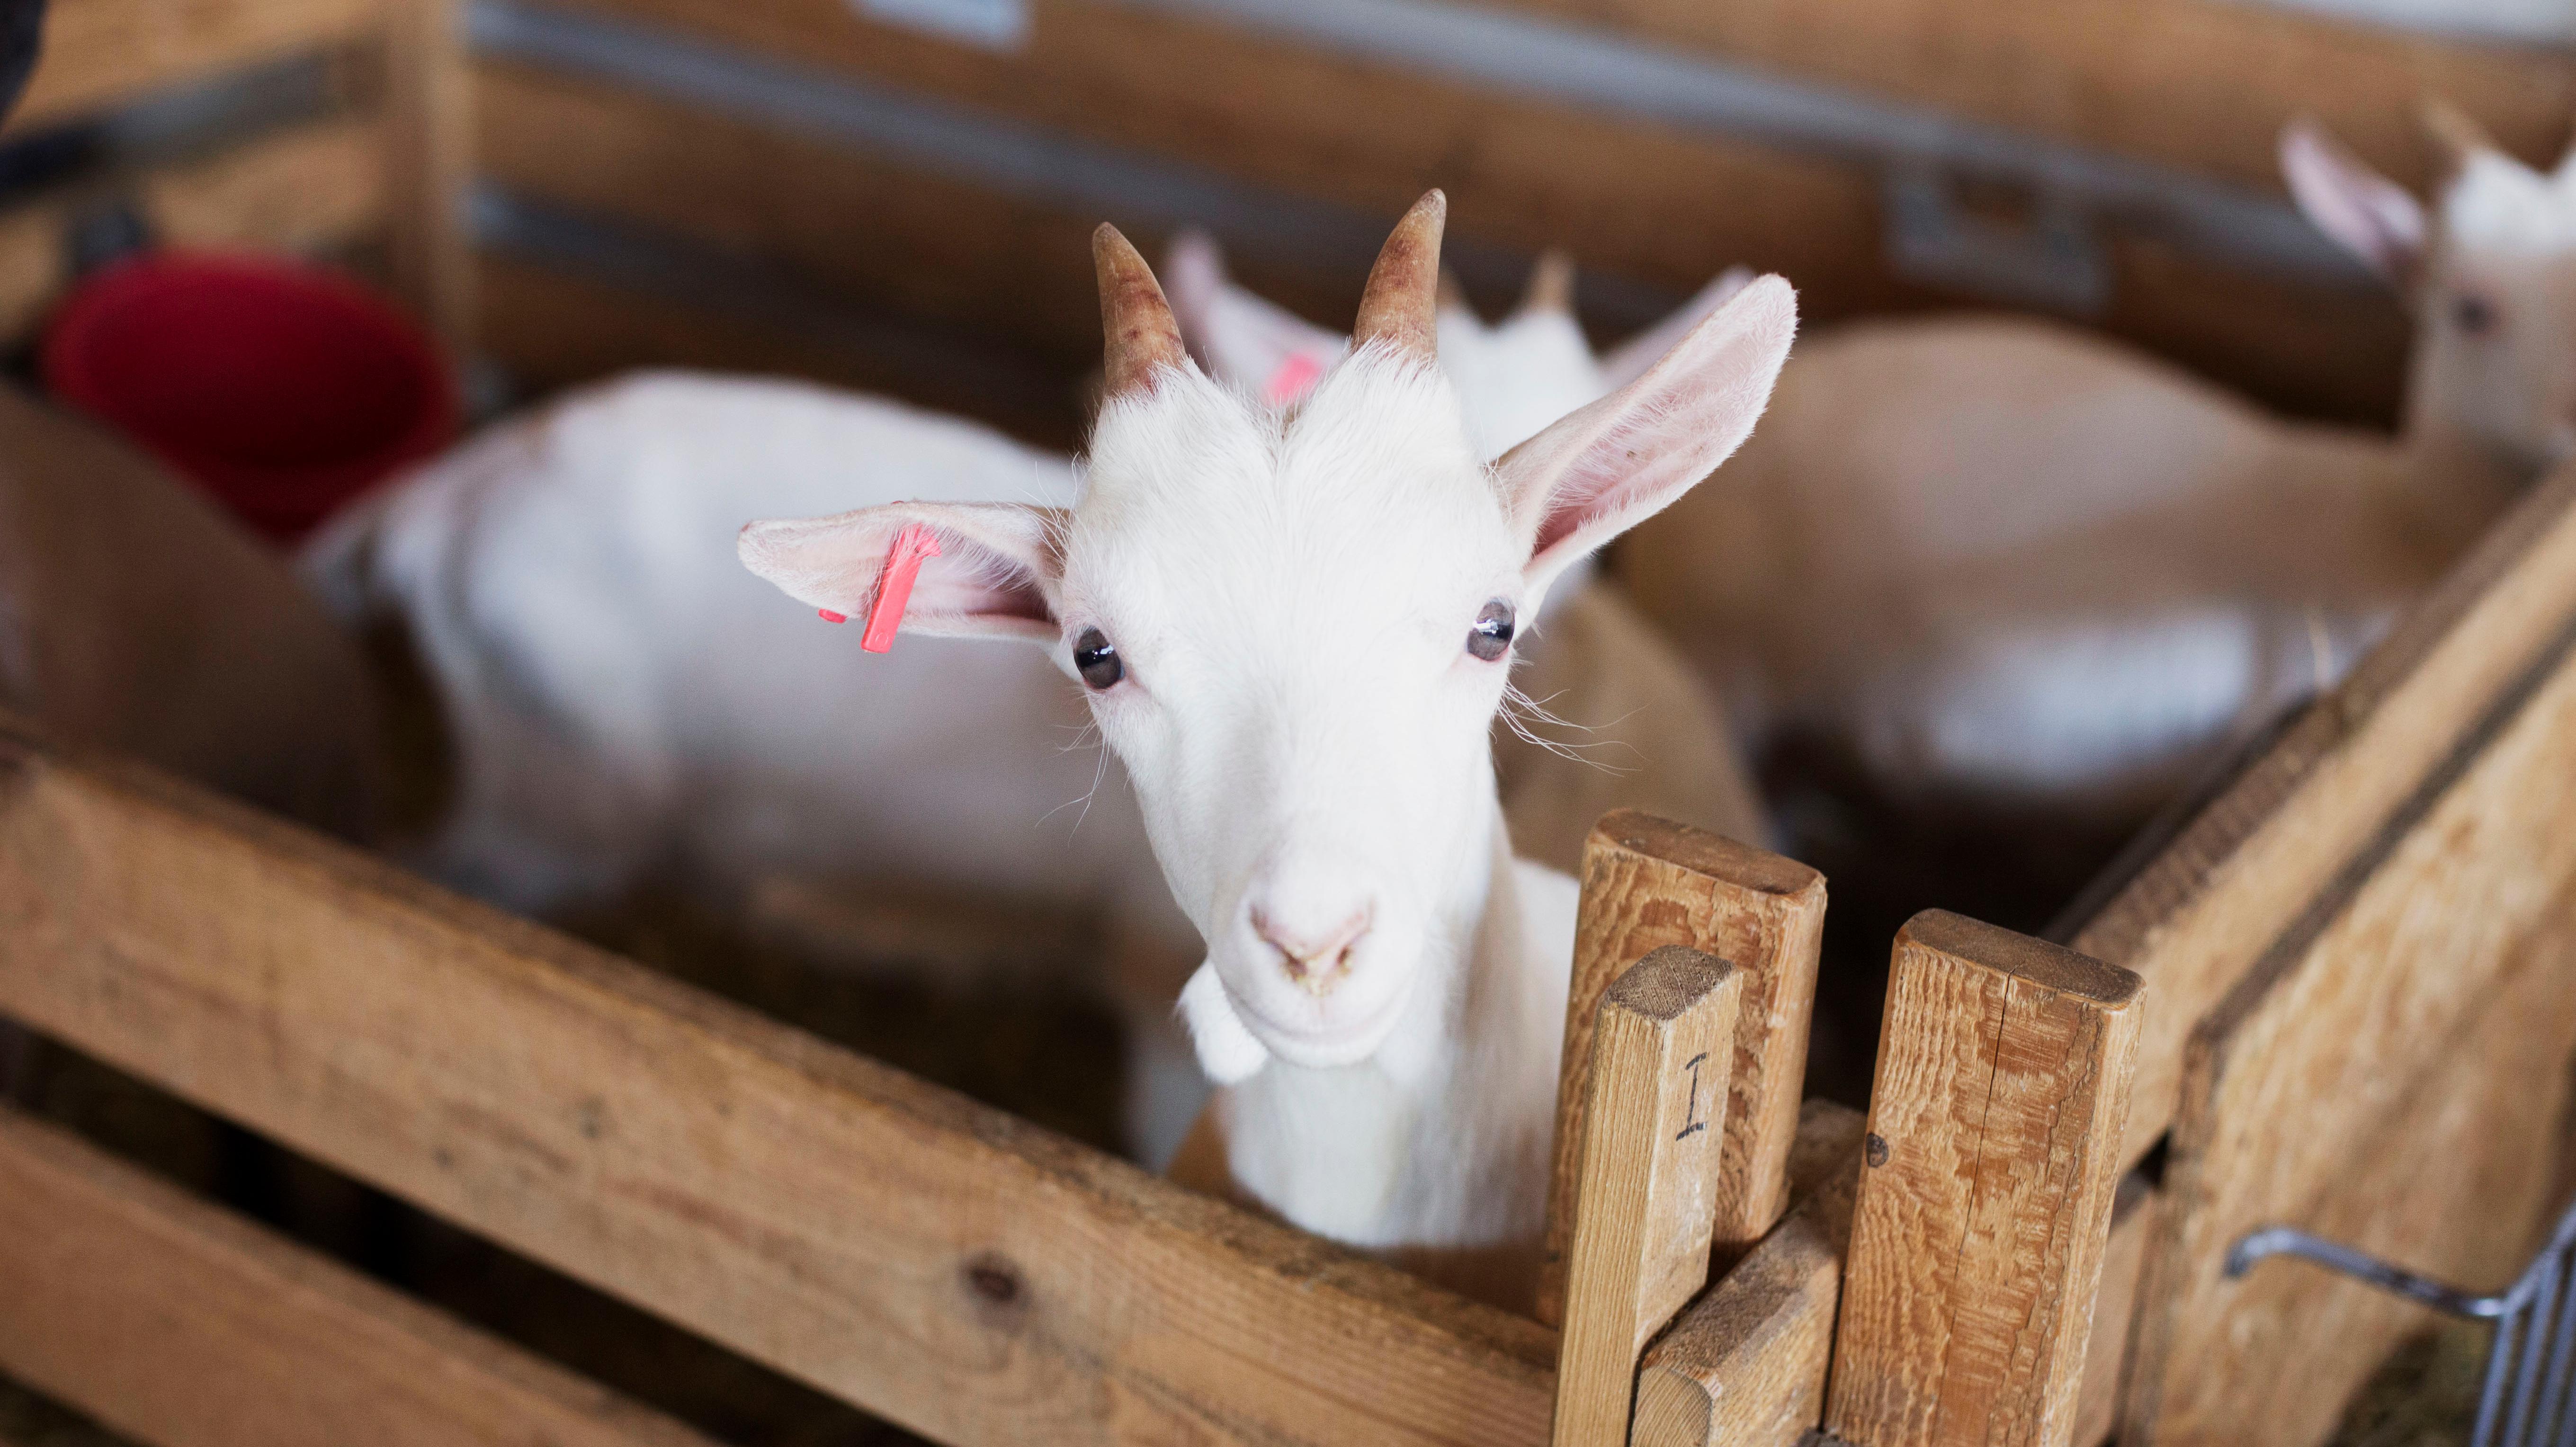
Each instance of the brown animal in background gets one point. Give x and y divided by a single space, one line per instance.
2000 559
135 616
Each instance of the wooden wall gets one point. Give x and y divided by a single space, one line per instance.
1341 142
960 280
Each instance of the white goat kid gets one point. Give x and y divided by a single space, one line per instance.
619 702
2003 560
1294 628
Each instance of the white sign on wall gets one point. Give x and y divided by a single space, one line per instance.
994 24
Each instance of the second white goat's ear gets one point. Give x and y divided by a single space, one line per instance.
1243 340
997 572
1621 460
2362 211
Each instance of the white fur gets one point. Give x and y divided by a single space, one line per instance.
1653 736
1290 593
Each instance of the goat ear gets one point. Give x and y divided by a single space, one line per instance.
1244 341
997 574
2364 212
1621 460
1629 360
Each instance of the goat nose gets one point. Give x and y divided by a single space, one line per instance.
1317 960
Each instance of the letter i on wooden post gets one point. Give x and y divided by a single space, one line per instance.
1643 1214
1648 882
1989 1170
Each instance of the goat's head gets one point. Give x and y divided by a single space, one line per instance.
2489 271
1295 625
1513 377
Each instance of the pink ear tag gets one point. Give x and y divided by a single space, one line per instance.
914 546
1294 378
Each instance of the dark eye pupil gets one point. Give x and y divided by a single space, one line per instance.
2472 314
1096 661
1492 632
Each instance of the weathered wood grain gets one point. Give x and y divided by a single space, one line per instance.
1649 883
99 54
178 1324
1985 1205
2330 1089
2115 1310
2196 920
2460 1209
1648 1191
1744 1365
933 1261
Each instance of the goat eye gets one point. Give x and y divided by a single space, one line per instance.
1493 631
2474 315
1096 661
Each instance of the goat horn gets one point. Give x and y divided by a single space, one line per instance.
1138 334
2455 135
1397 307
1551 283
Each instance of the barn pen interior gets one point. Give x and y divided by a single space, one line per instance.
303 1147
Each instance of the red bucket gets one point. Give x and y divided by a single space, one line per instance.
282 391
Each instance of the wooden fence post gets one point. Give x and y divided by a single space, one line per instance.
1648 883
428 159
1986 1187
1744 1365
1641 1236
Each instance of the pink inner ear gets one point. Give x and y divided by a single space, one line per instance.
1295 377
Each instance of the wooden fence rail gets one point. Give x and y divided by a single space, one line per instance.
917 1255
927 1259
180 1325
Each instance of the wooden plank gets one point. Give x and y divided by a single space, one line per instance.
2451 1188
178 1324
100 54
2115 1309
428 156
893 238
2199 917
936 1262
1650 1179
555 327
309 188
1992 1160
1744 1366
2204 85
2296 1085
1646 201
1649 883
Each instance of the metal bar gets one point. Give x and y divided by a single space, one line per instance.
2492 1393
1589 66
2554 1422
2289 1241
2534 1314
1604 70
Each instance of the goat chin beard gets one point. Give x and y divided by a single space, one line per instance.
1228 1050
